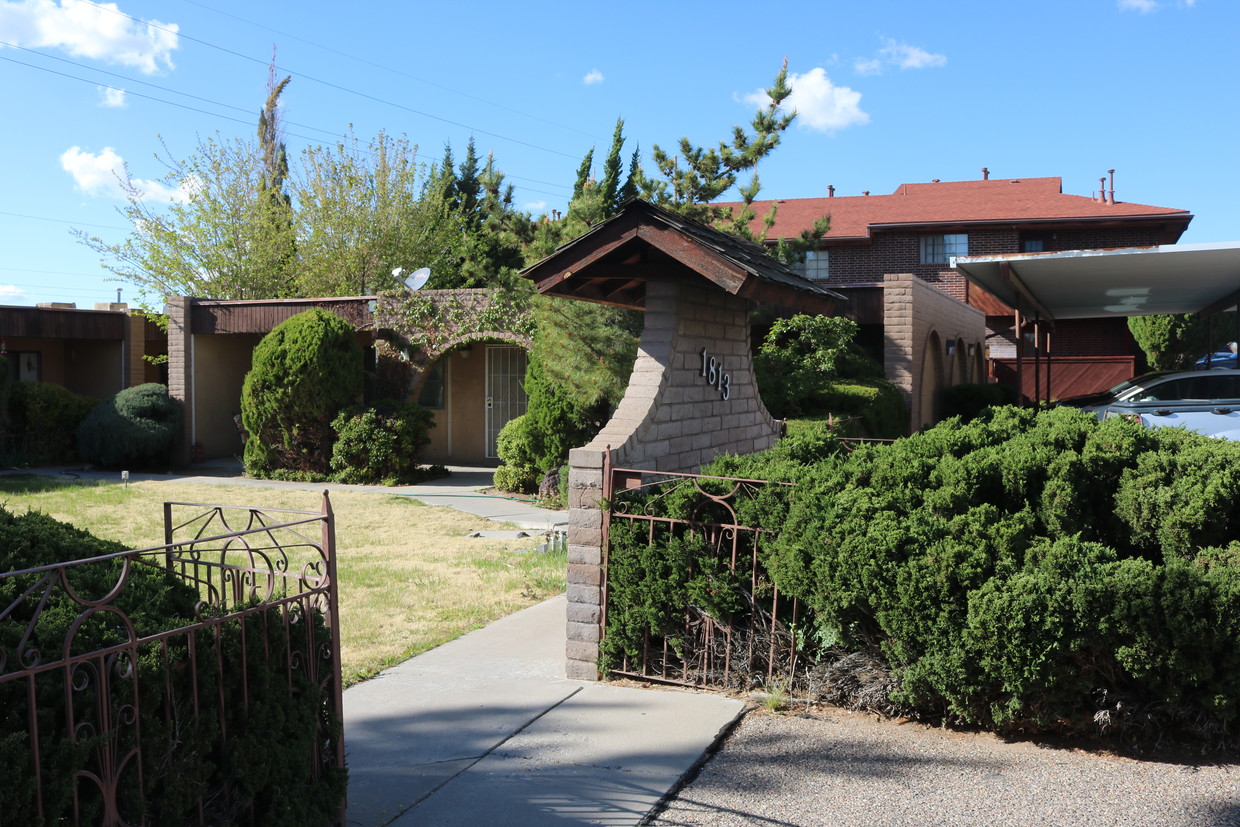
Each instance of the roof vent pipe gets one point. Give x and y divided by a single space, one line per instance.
1102 189
985 174
1111 188
830 190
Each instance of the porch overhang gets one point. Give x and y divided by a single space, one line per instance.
613 262
1092 284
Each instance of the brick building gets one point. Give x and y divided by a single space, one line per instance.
918 229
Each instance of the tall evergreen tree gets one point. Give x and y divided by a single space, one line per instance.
277 211
610 184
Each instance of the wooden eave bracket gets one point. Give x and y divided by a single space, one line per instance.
1014 281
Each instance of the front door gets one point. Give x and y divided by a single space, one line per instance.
505 399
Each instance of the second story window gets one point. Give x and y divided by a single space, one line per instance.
937 249
815 266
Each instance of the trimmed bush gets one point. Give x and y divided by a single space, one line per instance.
518 472
136 428
44 420
1028 572
305 372
970 399
380 444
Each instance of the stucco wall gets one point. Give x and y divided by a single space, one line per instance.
459 435
671 419
918 323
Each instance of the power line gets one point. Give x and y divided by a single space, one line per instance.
60 221
112 9
196 97
391 69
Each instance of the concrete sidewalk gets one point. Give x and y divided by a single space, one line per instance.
487 730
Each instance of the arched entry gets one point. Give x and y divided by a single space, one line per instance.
931 380
474 389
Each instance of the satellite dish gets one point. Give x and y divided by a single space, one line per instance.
418 278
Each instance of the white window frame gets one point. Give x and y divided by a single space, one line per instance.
938 249
817 265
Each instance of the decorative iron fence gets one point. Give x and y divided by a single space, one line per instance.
687 599
228 718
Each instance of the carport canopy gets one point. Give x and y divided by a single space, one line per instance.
1091 284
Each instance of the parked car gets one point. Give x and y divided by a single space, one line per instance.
1223 360
1207 402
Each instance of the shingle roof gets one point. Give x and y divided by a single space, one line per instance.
949 202
599 265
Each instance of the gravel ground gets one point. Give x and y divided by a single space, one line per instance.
841 768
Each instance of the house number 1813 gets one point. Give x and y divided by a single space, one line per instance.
712 372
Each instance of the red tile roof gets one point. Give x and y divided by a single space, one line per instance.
949 202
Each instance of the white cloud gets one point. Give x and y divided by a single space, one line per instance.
868 66
900 55
535 207
102 174
1149 6
112 98
84 29
594 76
820 104
11 291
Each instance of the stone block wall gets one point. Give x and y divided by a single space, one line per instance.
673 419
180 372
918 323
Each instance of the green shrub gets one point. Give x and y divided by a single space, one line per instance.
518 473
380 444
1024 571
798 358
44 420
555 421
136 428
304 373
878 403
970 399
262 767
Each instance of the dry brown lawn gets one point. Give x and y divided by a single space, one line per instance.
410 578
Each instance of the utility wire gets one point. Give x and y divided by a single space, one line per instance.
329 84
391 69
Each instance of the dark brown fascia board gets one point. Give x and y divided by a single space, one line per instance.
703 261
1013 279
1039 223
763 292
577 257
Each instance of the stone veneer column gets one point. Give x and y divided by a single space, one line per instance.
670 419
181 371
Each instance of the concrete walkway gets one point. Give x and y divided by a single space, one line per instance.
486 729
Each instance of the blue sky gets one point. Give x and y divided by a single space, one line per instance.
888 92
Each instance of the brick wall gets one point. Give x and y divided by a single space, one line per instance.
671 419
180 371
900 252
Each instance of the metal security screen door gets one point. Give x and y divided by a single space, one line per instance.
505 396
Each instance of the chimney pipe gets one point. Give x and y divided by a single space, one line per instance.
985 174
1102 189
1111 189
830 190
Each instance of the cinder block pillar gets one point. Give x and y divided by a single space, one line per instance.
585 562
181 372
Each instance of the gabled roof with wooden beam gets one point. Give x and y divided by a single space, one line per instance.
611 263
